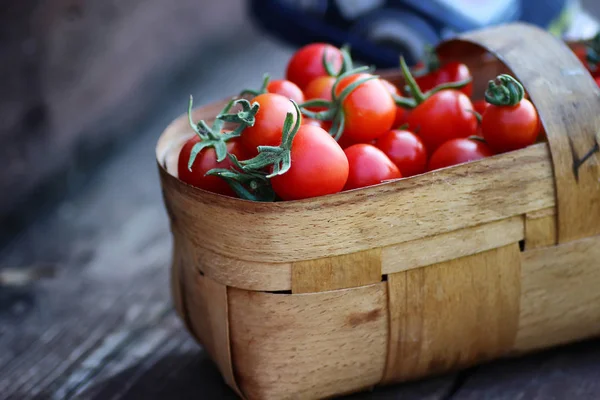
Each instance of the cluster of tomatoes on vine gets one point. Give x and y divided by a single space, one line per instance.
331 126
588 53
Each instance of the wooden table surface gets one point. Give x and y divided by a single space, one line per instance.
104 327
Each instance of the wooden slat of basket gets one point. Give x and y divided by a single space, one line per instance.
205 307
242 274
345 271
567 100
452 314
339 272
308 346
560 300
442 201
540 228
456 244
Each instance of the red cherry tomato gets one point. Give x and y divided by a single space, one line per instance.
307 63
447 73
401 113
458 151
507 128
268 127
319 88
444 116
287 89
313 122
480 106
406 150
369 110
204 162
368 166
319 166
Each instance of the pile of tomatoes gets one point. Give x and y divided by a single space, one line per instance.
331 126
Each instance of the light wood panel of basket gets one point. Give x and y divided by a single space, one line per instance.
419 276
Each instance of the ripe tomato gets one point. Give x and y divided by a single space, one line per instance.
507 128
406 150
319 88
287 89
204 162
401 113
369 110
319 166
313 122
458 151
307 63
445 115
368 166
449 72
269 122
480 106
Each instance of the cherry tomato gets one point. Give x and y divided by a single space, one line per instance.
319 166
369 110
597 79
480 106
268 126
319 88
406 150
287 89
313 122
307 63
401 113
204 162
444 116
447 73
458 151
368 166
507 128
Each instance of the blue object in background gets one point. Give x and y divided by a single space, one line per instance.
379 30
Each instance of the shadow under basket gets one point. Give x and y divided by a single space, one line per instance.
411 278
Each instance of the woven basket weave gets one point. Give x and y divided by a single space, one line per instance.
332 295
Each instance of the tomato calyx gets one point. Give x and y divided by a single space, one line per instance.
279 157
212 136
504 91
415 91
347 63
261 90
592 52
249 179
247 185
333 108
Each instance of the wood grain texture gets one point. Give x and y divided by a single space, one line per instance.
455 244
567 100
408 209
242 274
540 229
206 306
453 314
560 300
339 272
308 346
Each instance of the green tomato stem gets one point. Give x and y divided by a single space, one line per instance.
504 91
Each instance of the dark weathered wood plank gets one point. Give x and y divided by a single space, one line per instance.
569 372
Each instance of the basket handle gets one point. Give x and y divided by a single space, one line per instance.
568 103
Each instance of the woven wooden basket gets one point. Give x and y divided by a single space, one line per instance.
332 295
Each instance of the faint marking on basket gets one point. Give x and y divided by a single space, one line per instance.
578 162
